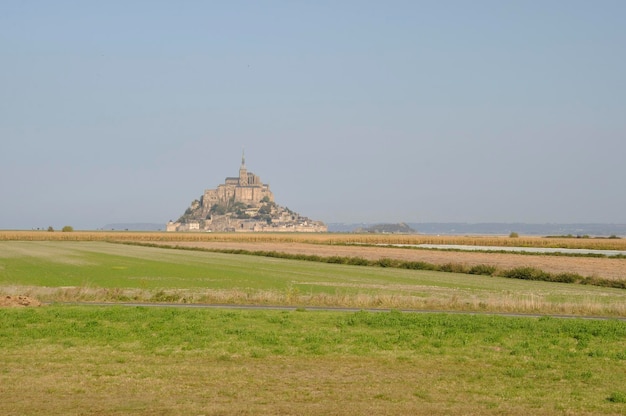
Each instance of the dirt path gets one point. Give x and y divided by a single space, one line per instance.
585 266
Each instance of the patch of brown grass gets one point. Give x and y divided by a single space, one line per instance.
96 381
16 301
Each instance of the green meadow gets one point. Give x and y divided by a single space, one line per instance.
100 271
172 361
87 359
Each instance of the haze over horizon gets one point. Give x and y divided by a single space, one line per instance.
352 111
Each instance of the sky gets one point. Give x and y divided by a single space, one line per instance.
353 111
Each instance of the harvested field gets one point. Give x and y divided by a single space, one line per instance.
319 238
585 266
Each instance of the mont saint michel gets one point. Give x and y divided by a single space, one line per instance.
242 204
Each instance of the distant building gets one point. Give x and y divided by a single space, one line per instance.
242 204
247 188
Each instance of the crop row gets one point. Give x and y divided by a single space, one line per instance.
320 238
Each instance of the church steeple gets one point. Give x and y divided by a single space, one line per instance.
243 172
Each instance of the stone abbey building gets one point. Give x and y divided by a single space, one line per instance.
247 188
242 204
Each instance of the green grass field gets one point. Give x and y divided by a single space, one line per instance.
84 271
170 361
118 360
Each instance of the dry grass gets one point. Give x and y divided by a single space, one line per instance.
431 299
321 238
121 383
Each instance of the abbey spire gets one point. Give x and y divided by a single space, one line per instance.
243 172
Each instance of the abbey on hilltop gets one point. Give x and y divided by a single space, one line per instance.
242 204
247 189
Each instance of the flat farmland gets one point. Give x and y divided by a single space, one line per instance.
321 238
90 359
586 266
363 245
102 271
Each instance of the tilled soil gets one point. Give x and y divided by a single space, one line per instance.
585 266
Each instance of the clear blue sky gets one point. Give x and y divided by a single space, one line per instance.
353 111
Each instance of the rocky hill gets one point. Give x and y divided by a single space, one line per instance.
242 203
267 216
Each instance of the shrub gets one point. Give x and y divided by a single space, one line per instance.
336 260
385 262
358 261
514 235
162 296
483 269
566 278
527 273
418 265
453 268
67 229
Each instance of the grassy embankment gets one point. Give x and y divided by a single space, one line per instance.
100 271
61 360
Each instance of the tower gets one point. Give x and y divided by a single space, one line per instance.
243 172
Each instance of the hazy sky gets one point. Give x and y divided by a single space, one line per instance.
352 111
